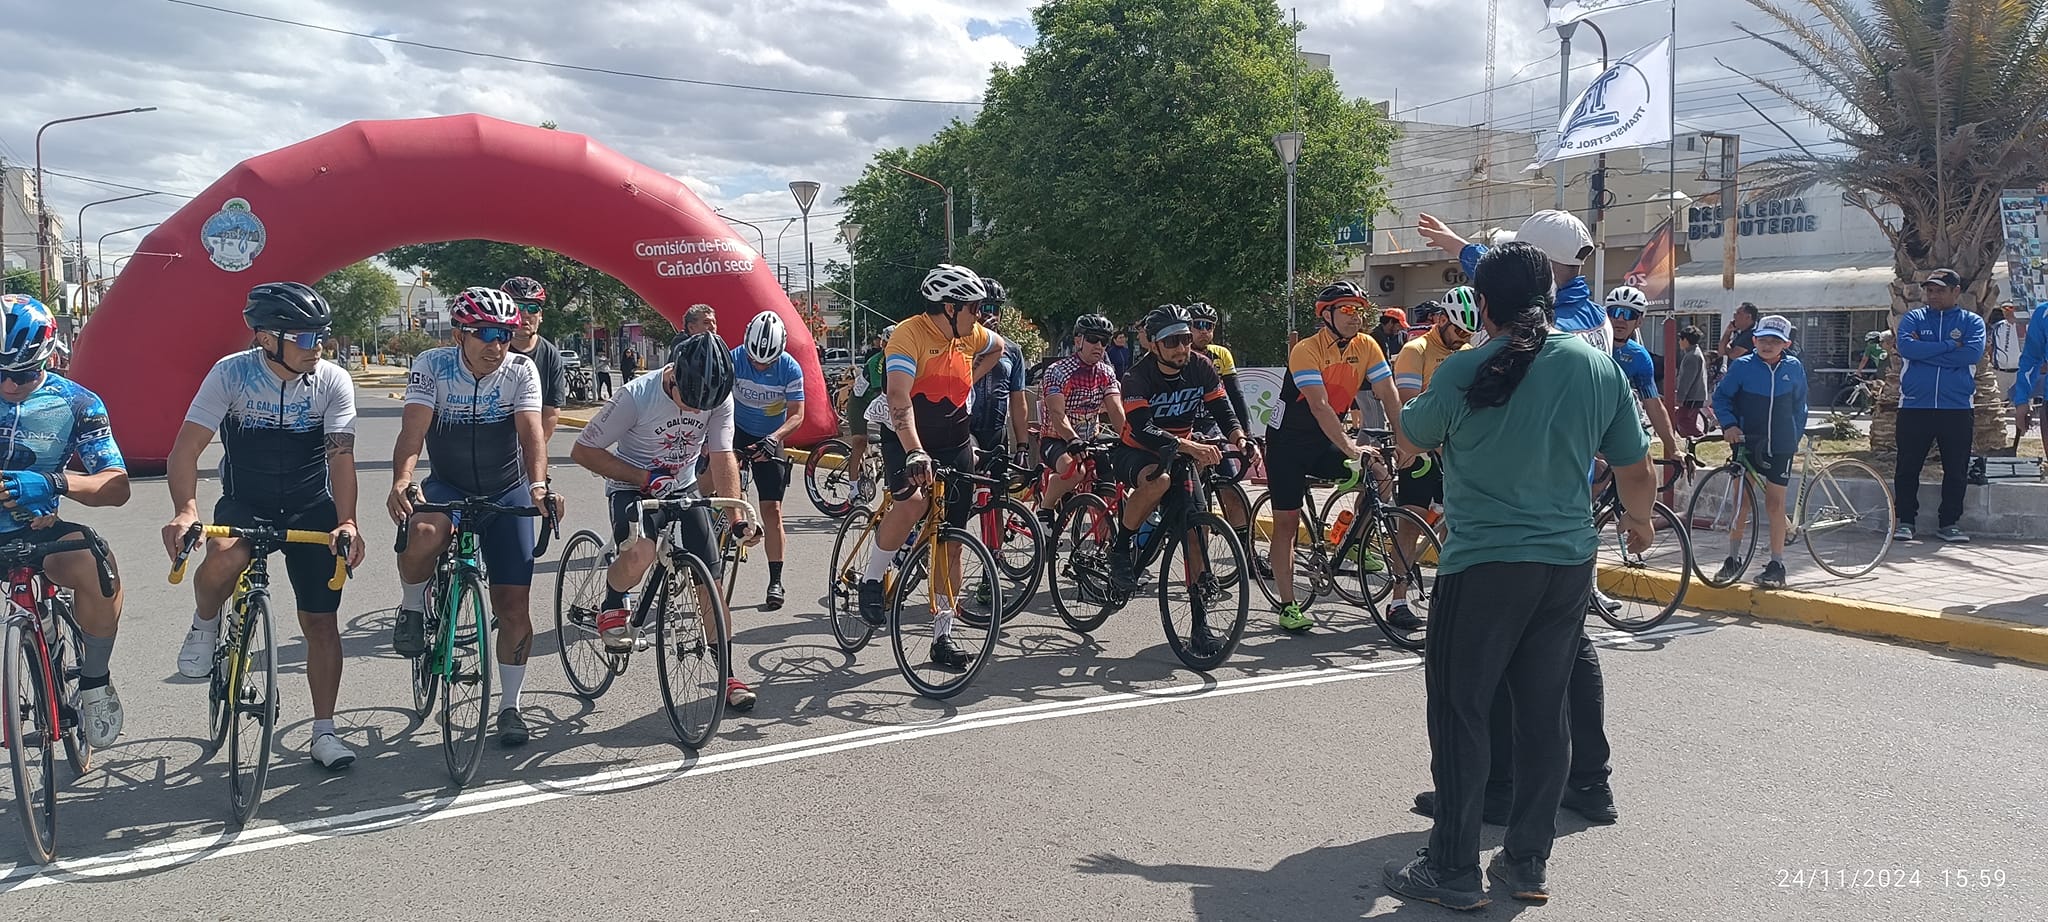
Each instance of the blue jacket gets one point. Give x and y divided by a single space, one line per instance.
2027 385
1574 309
1767 404
1937 350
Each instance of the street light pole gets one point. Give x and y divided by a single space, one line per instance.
84 282
806 192
1564 92
1288 145
100 262
786 225
43 201
949 205
851 233
757 229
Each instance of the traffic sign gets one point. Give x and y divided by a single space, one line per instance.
1354 233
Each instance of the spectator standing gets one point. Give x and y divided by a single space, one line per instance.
2005 347
1739 339
604 372
1120 353
629 365
1940 346
1692 382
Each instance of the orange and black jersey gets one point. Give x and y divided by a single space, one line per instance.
1160 408
942 376
1319 361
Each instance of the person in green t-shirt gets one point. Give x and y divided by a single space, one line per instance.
861 390
1870 364
1518 421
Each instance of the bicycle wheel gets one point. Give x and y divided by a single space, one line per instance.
31 703
218 710
851 549
1079 562
252 680
426 668
693 661
1724 516
929 601
64 675
734 553
1311 568
1846 517
1642 589
1388 537
1204 592
1219 505
579 596
466 708
832 477
1013 536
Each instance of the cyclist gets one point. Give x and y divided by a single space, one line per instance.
1324 371
1870 362
475 408
287 425
768 405
1761 403
1081 391
700 318
1625 309
1164 395
51 420
527 341
933 361
645 444
997 402
1420 485
862 391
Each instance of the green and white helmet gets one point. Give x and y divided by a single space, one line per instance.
1462 306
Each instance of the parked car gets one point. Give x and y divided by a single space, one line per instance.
571 360
835 357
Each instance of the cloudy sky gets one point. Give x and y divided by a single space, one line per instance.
230 86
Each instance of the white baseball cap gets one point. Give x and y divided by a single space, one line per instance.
1775 326
1559 235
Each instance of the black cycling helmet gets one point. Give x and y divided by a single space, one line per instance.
1166 320
287 307
997 294
1094 323
703 370
1340 290
1200 310
525 289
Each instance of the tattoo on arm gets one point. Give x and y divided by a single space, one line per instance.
341 443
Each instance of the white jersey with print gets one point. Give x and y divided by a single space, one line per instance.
474 442
274 430
645 428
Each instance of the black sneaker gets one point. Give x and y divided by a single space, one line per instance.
511 728
947 656
1404 620
1207 588
1595 802
1731 570
1494 810
409 635
1123 570
1262 566
1773 576
1421 879
775 597
1202 640
1048 518
874 609
1524 877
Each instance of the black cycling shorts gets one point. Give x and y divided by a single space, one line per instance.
771 476
1130 465
1421 490
308 566
1049 451
959 502
1292 457
1775 468
506 540
699 535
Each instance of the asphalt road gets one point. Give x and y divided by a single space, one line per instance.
1078 779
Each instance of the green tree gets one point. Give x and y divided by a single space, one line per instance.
409 342
361 295
26 282
1937 106
578 295
903 220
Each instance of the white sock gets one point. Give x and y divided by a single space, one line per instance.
322 726
510 678
878 563
943 624
206 621
413 596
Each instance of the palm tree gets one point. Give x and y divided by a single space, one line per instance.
1937 105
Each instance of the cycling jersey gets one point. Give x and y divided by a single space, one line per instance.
989 401
57 420
473 441
1319 361
1219 355
1226 368
547 362
1635 362
942 372
274 430
1160 408
643 426
1418 361
761 396
1085 388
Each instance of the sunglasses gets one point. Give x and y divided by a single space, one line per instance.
531 307
1350 306
1177 340
1624 313
1203 324
1095 338
307 340
22 375
490 335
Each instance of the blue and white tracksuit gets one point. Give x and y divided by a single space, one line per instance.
1939 351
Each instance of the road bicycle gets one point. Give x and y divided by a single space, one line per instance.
1857 396
1843 512
1010 530
967 603
1642 590
837 481
678 599
241 689
1202 583
41 682
1388 546
459 653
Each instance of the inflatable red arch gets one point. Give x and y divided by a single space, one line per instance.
316 206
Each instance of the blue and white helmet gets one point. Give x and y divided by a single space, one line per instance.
30 333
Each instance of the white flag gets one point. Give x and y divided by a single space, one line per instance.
1628 106
1565 11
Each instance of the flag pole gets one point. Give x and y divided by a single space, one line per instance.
1671 189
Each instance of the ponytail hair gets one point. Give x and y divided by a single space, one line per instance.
1514 284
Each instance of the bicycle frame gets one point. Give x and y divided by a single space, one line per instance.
26 591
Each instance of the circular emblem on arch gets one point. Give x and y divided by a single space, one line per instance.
233 236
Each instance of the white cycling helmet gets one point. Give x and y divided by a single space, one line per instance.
950 284
1626 296
766 337
479 306
1461 304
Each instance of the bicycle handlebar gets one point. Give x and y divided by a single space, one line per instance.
21 552
263 533
702 502
477 507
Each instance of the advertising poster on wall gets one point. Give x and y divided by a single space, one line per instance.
2019 212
